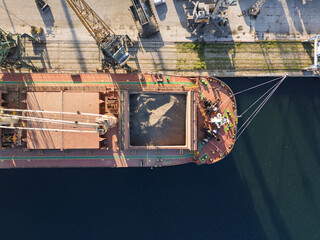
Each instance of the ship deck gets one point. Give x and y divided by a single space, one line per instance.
214 89
113 153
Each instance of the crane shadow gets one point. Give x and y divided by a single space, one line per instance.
9 16
153 46
162 11
80 56
41 52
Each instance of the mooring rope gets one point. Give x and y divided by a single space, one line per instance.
257 109
258 99
245 90
252 116
259 85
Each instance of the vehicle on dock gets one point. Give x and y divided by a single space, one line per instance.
144 18
159 2
44 7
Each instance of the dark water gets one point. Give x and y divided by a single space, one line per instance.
268 188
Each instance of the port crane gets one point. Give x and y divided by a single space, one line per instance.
207 12
114 47
17 119
12 50
315 66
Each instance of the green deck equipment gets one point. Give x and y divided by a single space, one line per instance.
12 51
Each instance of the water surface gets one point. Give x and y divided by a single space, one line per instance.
267 188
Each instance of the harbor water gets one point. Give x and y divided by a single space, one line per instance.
267 188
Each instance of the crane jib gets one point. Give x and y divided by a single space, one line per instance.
111 44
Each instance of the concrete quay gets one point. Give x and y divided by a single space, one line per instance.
238 50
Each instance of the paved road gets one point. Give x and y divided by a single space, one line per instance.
224 59
70 47
278 19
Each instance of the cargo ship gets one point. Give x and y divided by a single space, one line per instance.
114 120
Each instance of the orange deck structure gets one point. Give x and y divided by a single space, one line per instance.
108 93
63 101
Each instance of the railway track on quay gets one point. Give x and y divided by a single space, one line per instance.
228 59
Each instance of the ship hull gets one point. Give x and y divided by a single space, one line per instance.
117 148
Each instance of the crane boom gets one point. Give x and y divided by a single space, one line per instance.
100 124
92 22
112 45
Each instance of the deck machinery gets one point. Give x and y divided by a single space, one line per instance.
114 47
12 51
59 127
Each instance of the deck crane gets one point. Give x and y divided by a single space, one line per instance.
17 119
114 47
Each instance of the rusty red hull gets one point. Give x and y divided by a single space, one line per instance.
114 149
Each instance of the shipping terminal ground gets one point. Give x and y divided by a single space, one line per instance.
83 87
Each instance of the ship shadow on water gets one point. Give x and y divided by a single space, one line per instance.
249 167
310 157
262 190
278 159
277 222
188 202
